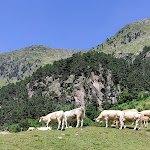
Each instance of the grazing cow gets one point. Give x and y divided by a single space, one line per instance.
77 114
108 115
146 113
31 128
133 116
52 118
144 119
43 128
115 122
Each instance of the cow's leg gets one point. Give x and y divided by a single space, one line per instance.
50 126
59 123
78 121
121 123
48 123
62 124
66 123
106 122
124 125
82 122
147 124
136 124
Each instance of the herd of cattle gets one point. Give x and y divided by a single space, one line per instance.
117 116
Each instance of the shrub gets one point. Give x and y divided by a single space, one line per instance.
14 128
88 122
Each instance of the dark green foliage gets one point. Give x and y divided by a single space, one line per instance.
91 109
88 122
16 104
14 128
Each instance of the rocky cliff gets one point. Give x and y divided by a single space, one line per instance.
80 89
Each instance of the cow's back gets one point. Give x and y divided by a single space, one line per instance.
54 116
74 113
132 116
145 112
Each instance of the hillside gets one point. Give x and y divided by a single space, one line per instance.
94 80
130 39
76 138
16 65
126 43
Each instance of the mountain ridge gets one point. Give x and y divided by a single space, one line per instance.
18 64
132 38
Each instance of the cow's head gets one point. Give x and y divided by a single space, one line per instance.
97 120
42 119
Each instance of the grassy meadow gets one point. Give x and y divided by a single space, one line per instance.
76 138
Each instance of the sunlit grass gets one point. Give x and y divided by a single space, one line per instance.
74 139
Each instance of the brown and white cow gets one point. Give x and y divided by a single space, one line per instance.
77 114
108 115
52 118
144 119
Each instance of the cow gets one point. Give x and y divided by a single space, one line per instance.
43 128
146 113
51 118
77 114
144 119
108 115
132 116
115 122
31 128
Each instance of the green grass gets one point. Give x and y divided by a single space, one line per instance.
142 104
78 139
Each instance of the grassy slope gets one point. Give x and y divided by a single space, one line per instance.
31 58
120 41
142 104
73 139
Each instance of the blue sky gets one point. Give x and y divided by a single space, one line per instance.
68 24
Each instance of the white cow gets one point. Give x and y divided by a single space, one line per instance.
43 128
115 122
52 118
31 128
77 114
108 115
133 116
146 113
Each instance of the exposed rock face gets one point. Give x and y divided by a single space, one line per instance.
81 89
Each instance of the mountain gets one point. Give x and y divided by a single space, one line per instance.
16 65
127 43
94 79
130 39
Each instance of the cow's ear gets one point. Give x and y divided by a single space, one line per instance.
94 119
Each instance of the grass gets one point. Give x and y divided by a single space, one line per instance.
72 139
142 104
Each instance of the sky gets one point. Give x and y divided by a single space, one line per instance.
67 24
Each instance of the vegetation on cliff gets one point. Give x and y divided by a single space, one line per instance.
33 96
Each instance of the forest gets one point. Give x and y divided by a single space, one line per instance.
133 77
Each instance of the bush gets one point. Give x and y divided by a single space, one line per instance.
14 128
24 124
88 122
